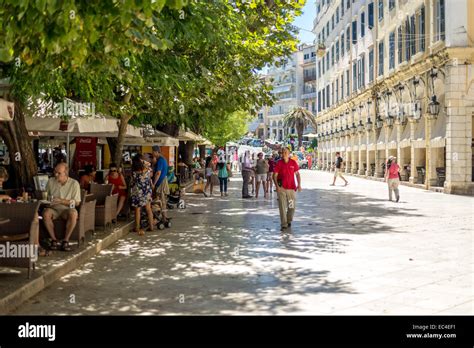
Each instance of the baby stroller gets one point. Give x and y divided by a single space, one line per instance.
176 196
158 218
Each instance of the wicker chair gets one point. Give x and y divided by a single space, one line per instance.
85 221
106 207
22 229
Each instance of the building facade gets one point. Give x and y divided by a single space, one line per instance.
395 77
294 84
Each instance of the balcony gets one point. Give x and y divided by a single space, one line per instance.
308 95
308 78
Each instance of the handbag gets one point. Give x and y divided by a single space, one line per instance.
214 180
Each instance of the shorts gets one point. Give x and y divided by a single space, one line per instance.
162 193
60 213
261 177
269 176
338 172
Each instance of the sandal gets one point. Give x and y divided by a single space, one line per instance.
65 246
54 245
141 232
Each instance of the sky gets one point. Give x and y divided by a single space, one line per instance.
305 21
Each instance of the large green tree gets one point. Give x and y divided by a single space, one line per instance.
151 62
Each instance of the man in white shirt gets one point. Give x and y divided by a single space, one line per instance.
66 196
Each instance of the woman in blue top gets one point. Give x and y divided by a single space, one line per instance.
223 175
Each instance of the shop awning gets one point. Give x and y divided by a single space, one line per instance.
405 137
185 135
419 140
4 113
438 131
310 135
92 127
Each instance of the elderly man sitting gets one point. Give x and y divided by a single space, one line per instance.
66 196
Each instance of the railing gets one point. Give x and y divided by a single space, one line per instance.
308 95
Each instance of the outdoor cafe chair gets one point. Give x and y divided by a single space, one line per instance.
106 207
21 228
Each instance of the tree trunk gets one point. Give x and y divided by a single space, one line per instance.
300 136
170 129
117 154
202 151
112 142
22 157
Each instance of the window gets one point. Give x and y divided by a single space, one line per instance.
337 15
342 9
421 31
332 55
327 29
327 96
337 90
362 65
391 4
332 22
413 34
348 86
370 11
348 4
313 107
337 51
407 40
348 38
380 10
400 45
324 65
391 53
362 24
327 61
381 57
342 45
313 54
342 86
319 69
354 76
440 20
319 101
332 93
306 56
371 65
354 32
324 99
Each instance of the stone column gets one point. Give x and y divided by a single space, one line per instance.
400 157
377 164
413 173
367 152
360 170
431 159
354 160
348 154
460 103
386 129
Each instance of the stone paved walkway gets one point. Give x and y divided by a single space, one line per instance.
350 251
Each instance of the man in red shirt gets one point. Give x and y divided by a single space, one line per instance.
284 179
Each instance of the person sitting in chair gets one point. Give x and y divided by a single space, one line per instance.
65 194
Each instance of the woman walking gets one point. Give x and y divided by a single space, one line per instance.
223 175
141 191
262 169
392 177
210 169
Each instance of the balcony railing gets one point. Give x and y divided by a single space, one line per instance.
308 95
